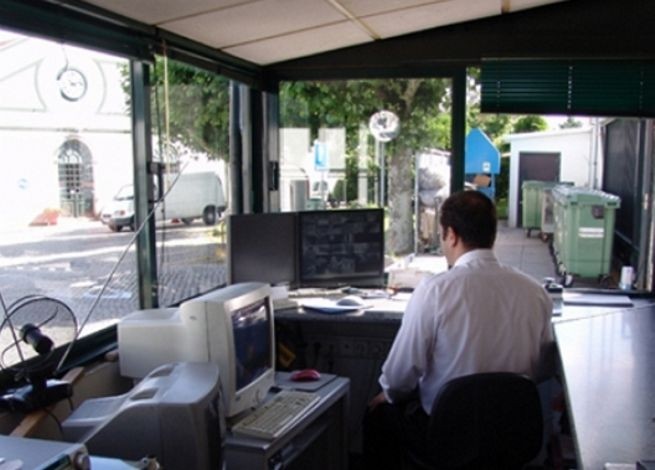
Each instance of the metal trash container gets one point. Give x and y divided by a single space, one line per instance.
532 203
547 227
584 230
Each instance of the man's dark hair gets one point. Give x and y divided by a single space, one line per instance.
472 216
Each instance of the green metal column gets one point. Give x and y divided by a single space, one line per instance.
236 152
271 154
458 130
245 130
143 187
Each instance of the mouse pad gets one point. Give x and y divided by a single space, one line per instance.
282 380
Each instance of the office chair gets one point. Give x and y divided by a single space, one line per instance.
482 421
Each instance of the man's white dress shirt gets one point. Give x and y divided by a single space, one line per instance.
479 316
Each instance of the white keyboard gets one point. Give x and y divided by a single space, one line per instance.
276 416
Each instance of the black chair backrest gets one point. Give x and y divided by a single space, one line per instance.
488 420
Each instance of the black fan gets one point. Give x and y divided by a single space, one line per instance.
31 355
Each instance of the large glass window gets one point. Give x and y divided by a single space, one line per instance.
66 149
68 205
358 143
190 144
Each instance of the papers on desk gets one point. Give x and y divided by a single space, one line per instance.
609 300
330 306
281 304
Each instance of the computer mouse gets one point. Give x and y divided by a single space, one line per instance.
351 301
305 375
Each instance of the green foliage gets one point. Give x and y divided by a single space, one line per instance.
530 124
350 103
502 179
198 107
501 208
339 191
570 123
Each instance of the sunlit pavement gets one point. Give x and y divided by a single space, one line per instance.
529 254
513 247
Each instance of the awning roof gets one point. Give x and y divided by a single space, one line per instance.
270 31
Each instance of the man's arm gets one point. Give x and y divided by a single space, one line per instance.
547 359
408 357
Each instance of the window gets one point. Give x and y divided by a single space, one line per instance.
326 144
66 149
190 143
68 205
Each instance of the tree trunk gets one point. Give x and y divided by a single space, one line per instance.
401 213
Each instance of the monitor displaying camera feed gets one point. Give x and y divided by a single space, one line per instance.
341 248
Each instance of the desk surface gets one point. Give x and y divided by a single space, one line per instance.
609 374
391 309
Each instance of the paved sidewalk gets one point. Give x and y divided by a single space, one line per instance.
530 255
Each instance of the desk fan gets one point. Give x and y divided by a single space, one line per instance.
30 355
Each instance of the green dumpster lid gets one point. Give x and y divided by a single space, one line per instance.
577 195
530 184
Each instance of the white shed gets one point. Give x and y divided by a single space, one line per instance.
571 155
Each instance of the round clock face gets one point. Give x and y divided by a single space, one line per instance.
72 84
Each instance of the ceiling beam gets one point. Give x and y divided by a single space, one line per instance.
572 29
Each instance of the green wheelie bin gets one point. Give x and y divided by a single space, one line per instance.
532 191
584 231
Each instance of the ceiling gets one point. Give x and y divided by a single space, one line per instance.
270 31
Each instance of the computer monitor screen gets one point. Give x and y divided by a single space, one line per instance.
232 327
341 247
262 247
174 415
252 343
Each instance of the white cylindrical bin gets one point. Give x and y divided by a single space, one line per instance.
627 276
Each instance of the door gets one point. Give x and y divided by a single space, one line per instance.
539 166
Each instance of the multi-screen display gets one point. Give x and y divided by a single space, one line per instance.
309 249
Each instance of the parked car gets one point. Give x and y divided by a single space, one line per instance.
192 196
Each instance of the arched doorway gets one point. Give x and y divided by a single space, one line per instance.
75 179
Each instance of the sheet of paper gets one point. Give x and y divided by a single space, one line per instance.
582 298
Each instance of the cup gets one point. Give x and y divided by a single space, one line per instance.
627 276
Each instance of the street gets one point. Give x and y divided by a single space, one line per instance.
73 260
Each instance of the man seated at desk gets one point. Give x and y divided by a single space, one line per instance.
479 316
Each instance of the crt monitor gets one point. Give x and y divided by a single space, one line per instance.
262 247
341 248
174 414
232 327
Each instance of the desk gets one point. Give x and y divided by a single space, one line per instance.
352 345
319 440
609 377
356 344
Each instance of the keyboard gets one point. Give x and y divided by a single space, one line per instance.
276 416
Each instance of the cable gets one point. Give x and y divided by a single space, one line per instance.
56 420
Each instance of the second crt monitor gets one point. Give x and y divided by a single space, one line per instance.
232 327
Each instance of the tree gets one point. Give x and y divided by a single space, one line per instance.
530 124
570 123
350 103
189 106
198 107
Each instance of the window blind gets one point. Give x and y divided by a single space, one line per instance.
584 87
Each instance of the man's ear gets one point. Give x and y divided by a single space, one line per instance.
451 236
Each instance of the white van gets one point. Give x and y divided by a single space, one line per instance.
194 195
